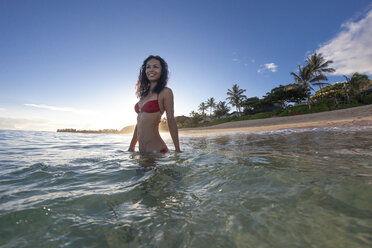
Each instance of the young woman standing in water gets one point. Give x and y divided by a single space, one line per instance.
155 98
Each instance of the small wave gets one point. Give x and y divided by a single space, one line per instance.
86 160
280 131
32 168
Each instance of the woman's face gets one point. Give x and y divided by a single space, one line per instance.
153 70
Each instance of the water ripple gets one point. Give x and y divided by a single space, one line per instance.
286 188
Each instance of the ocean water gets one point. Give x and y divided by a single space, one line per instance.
290 188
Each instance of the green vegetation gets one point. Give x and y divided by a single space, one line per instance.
312 73
236 97
203 107
319 66
367 99
287 100
125 130
288 111
211 104
221 109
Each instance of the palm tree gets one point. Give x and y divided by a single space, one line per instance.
211 104
304 78
236 97
203 107
346 89
319 65
356 83
221 109
195 117
321 84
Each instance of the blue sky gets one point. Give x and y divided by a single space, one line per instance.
74 64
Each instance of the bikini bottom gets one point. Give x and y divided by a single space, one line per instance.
164 150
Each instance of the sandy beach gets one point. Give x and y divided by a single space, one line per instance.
351 117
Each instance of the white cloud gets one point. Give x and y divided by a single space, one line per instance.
2 109
63 109
351 49
235 60
24 124
40 124
272 67
268 67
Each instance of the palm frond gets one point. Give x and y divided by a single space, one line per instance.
319 78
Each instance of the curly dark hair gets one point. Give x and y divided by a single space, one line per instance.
143 83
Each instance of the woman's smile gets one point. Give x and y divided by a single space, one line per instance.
153 69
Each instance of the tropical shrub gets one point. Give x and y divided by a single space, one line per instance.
367 99
295 110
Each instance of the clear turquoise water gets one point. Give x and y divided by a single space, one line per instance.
304 188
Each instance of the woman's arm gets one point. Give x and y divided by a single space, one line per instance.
169 108
134 141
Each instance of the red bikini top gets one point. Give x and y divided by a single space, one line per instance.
149 107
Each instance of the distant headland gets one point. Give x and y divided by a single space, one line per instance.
125 130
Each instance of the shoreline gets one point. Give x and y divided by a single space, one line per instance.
350 117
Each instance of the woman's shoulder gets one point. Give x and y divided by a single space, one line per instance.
166 91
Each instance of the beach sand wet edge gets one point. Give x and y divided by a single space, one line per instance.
351 117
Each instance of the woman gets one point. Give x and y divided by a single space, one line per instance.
155 98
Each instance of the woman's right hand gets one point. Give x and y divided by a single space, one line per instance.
134 141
